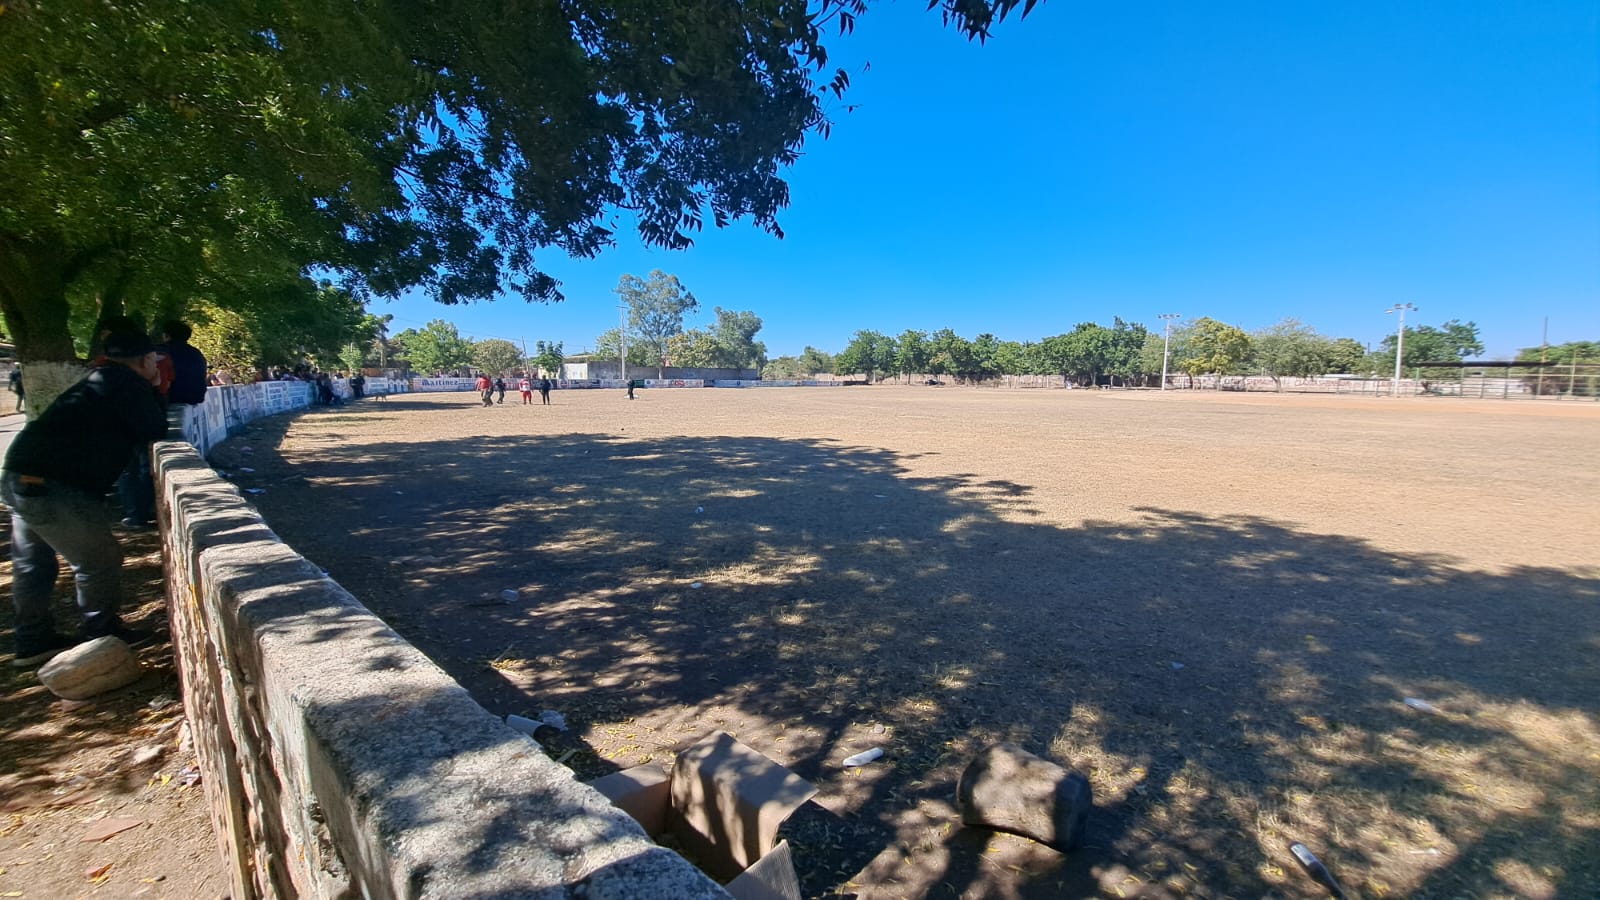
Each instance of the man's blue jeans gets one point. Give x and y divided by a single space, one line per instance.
51 518
137 489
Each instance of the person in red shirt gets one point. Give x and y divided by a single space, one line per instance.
486 389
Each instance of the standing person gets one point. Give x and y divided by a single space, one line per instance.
526 387
358 386
325 388
55 476
486 389
544 390
188 364
16 385
188 388
499 390
630 388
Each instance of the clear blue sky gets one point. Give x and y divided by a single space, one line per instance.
1247 161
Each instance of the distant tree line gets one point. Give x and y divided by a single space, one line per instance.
1130 353
438 347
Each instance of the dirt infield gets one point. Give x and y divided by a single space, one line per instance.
1213 605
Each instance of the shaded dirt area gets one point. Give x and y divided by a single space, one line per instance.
1213 606
70 772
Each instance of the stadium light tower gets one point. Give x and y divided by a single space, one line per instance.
1166 344
1400 341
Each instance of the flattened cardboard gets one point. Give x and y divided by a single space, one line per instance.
724 803
641 792
771 878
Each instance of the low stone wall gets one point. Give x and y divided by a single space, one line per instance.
338 761
228 408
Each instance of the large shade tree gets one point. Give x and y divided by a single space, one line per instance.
398 144
869 352
1290 349
435 348
1212 346
497 356
656 305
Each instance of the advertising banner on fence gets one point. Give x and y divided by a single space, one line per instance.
422 385
784 383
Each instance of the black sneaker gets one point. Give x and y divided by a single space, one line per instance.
134 637
37 653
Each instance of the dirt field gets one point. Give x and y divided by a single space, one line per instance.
1212 605
72 771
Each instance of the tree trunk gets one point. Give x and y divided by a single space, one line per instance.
33 298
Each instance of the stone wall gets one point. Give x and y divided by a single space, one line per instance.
228 408
338 761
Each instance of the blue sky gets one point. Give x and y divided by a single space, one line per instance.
1244 161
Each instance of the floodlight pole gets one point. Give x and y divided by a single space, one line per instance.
1166 344
1400 341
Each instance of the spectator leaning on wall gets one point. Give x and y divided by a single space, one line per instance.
55 479
188 364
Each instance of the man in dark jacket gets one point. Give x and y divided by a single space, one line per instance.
55 479
188 364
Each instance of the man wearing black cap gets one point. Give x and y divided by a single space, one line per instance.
55 479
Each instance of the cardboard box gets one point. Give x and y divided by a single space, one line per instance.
722 803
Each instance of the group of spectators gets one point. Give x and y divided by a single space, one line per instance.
95 436
323 381
60 467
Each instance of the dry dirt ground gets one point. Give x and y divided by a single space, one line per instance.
94 798
1214 606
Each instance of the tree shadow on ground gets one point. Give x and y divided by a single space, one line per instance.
63 753
1229 684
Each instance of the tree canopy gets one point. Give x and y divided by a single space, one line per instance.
1291 349
1212 346
1451 342
497 356
437 347
608 345
728 344
548 356
656 306
868 352
176 148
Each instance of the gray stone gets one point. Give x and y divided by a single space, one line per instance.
103 664
343 762
1009 789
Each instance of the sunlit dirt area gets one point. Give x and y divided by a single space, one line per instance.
1214 606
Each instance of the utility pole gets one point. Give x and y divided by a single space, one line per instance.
1400 340
622 338
1166 344
1544 348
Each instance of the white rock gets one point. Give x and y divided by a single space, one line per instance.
103 664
